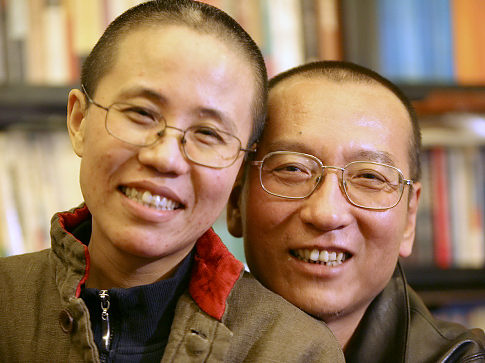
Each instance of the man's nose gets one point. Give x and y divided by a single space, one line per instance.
327 208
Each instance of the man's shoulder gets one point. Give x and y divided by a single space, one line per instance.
263 319
442 340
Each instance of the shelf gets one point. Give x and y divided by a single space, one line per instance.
33 106
41 106
439 287
432 99
429 279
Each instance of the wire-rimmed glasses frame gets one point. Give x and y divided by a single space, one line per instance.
213 159
367 175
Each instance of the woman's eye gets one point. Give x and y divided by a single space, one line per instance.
140 115
208 134
142 112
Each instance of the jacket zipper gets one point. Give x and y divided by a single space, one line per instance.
105 324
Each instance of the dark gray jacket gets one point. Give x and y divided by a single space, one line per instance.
397 327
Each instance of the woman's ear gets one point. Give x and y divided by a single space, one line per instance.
233 213
76 110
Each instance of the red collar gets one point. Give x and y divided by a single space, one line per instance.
214 273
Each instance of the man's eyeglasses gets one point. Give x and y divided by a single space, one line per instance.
139 126
366 184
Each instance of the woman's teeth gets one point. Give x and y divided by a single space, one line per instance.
322 257
148 199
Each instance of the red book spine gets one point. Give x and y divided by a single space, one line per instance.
441 219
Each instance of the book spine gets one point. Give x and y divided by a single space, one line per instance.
285 32
441 224
328 27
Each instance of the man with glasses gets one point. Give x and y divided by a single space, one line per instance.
327 205
172 95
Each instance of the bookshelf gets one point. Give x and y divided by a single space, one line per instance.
33 106
432 64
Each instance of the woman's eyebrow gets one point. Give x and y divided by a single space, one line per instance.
221 116
141 91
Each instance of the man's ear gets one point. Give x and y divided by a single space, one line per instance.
233 213
410 230
76 110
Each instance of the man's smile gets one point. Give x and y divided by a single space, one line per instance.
324 257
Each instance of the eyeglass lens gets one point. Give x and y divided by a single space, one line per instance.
202 144
366 184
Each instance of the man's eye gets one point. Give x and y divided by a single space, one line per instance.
368 178
289 169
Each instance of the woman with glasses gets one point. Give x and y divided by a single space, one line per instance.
171 97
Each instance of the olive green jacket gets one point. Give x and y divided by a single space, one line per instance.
225 316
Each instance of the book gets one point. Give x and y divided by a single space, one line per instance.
401 46
328 29
284 35
3 50
87 25
360 33
468 35
310 30
457 177
441 219
39 176
248 14
16 34
438 45
422 254
35 43
474 245
57 58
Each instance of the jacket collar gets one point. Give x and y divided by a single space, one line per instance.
214 273
382 334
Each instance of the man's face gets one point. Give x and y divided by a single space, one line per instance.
338 123
170 71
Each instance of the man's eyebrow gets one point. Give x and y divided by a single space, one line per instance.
364 155
289 145
371 155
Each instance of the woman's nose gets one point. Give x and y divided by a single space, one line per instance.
166 155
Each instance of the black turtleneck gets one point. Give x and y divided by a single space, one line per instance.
140 317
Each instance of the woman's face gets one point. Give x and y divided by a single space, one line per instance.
170 71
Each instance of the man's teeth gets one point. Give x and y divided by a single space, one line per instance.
322 257
148 199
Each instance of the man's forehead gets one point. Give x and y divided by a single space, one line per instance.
356 120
